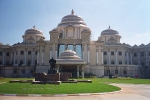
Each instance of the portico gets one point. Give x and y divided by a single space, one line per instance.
69 61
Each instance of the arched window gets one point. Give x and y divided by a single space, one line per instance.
7 62
108 71
135 62
29 62
120 62
21 62
60 35
112 62
105 61
16 61
0 62
125 62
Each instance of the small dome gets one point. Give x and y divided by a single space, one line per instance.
109 31
33 31
8 44
69 54
1 43
71 20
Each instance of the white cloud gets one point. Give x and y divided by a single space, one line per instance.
139 35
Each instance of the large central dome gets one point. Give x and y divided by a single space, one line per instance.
72 20
109 31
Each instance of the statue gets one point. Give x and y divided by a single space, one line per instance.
52 66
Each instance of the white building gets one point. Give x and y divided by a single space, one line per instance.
102 57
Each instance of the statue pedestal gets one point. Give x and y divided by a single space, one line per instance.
52 71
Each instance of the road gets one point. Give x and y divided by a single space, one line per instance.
129 92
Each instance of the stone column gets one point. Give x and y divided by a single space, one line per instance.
102 57
139 59
88 54
56 52
82 71
109 56
37 57
116 57
131 58
58 68
66 47
33 56
74 47
97 55
25 56
82 52
14 57
11 57
42 56
146 54
78 71
50 56
127 58
3 58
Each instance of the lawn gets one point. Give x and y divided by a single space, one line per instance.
97 85
63 88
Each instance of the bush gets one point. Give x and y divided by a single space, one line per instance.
90 75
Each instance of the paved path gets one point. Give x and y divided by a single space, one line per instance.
129 92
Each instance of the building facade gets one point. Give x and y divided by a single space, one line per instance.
70 44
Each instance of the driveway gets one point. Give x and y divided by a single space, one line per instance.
129 92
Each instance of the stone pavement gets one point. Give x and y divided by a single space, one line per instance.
129 92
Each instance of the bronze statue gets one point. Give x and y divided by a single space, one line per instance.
52 63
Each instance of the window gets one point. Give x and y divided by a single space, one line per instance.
120 53
105 62
7 54
142 63
112 62
135 55
29 52
108 72
116 71
23 71
124 72
120 62
125 53
0 62
112 53
35 52
15 71
16 52
105 53
149 53
142 53
0 53
60 35
135 63
79 50
22 52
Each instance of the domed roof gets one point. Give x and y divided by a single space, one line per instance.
71 20
109 31
1 43
33 31
69 54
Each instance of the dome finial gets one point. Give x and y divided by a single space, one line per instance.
109 26
72 12
34 26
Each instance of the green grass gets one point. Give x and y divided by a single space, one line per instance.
96 86
63 88
125 81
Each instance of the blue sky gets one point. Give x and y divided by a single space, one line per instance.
131 18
